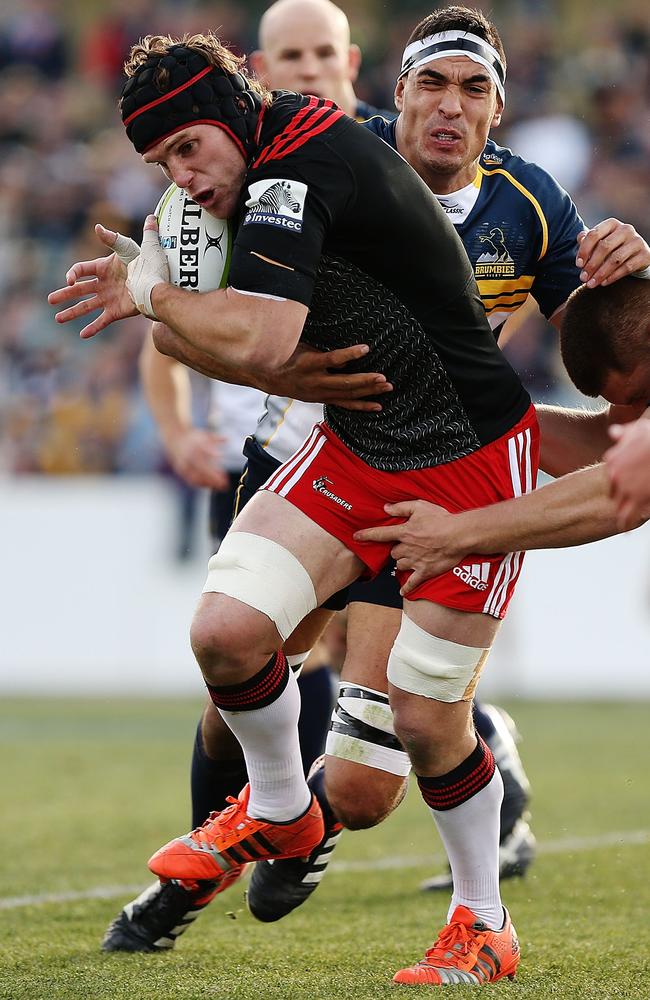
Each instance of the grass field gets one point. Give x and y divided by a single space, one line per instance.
91 788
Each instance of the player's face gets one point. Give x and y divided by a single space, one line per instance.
447 108
311 54
204 161
628 388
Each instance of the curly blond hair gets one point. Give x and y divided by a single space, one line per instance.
207 45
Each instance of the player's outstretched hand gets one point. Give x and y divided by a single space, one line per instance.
311 375
628 467
99 284
609 251
427 540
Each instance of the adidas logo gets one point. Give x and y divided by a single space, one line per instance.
475 576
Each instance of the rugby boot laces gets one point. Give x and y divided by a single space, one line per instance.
466 952
163 912
231 838
278 887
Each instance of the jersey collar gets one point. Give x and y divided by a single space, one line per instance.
458 204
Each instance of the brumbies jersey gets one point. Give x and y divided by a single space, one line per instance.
519 228
335 219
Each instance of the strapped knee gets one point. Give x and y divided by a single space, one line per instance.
265 576
362 731
434 668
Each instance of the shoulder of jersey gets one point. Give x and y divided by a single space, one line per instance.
197 246
500 160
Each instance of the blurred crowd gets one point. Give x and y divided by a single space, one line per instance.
578 102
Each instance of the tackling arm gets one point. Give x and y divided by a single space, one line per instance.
570 511
571 439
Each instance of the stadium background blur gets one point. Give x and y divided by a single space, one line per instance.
578 103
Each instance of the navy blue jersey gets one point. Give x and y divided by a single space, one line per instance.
364 111
519 228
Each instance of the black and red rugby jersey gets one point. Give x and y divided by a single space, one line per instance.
334 218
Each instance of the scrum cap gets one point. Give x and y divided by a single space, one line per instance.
195 93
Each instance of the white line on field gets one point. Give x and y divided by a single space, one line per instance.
567 845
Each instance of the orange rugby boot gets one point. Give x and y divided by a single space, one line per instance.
466 952
230 838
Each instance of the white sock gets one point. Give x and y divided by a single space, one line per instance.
470 834
269 739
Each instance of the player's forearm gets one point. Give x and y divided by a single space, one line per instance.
238 333
572 510
172 345
167 390
571 439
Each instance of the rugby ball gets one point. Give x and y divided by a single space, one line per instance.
198 247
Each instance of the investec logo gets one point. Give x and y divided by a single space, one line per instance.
475 576
276 202
320 485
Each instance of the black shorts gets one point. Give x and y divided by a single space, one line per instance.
383 590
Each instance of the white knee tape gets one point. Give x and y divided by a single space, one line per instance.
434 668
264 575
362 731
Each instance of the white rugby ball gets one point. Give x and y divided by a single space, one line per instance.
197 246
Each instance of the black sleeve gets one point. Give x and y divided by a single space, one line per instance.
289 208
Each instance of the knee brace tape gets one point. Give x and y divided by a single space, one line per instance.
263 575
434 668
362 731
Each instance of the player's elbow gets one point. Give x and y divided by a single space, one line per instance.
165 340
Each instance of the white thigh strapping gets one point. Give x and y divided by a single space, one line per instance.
435 668
263 575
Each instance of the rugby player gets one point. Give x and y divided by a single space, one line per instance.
313 257
305 45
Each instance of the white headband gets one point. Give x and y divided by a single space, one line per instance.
456 43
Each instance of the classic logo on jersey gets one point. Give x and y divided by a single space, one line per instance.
495 261
451 207
320 485
475 576
276 202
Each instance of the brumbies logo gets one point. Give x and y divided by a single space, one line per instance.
495 261
320 485
276 202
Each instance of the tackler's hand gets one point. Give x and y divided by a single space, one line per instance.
609 251
315 377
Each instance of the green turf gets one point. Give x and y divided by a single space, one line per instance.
90 788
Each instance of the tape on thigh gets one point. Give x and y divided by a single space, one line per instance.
263 575
434 668
362 731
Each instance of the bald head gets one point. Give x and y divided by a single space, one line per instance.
305 46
